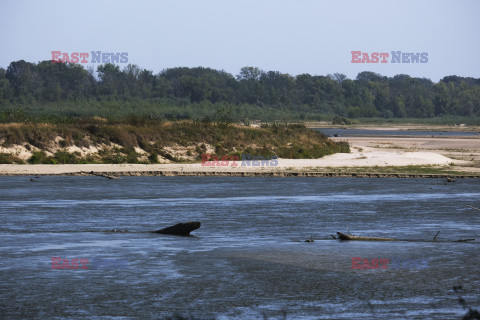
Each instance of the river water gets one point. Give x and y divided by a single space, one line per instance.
249 260
341 132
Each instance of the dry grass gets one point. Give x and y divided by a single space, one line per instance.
180 141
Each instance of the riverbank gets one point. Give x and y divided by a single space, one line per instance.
370 156
410 165
114 175
94 141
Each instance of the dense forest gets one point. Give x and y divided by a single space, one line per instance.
62 90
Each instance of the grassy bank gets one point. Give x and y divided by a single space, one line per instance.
168 109
142 140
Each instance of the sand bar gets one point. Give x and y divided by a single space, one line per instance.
367 157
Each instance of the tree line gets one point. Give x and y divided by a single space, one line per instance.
193 92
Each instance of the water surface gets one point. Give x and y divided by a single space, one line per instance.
249 259
375 133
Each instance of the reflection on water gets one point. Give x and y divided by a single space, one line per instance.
249 259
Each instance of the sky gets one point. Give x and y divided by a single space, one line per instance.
294 37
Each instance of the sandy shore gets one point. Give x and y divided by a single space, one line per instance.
464 151
360 157
371 154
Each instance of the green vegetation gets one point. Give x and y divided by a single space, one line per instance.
6 158
61 157
140 141
59 92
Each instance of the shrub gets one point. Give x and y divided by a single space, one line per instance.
65 157
340 120
40 157
153 158
7 158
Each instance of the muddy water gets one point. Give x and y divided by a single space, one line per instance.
249 259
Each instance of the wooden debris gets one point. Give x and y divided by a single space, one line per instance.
343 236
464 240
473 207
103 175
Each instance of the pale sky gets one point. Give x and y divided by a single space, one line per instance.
295 37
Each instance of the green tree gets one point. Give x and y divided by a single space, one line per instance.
399 107
250 73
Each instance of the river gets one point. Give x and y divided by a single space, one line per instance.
249 260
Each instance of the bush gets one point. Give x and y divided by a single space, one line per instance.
40 157
153 158
65 157
7 158
340 120
119 155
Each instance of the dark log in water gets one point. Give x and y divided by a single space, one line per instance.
103 175
464 240
343 236
180 229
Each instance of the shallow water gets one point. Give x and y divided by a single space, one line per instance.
249 259
369 132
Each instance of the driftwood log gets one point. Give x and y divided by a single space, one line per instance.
464 240
473 207
343 236
103 175
180 229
